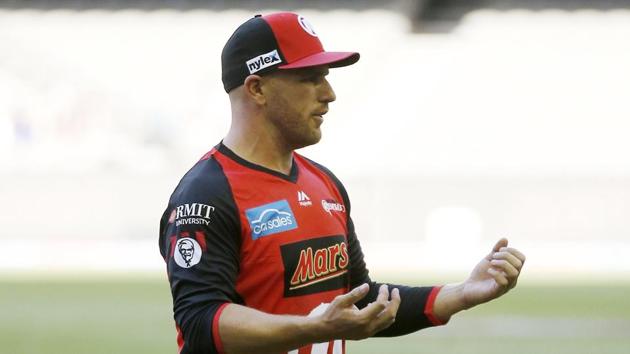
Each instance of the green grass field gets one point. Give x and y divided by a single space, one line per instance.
134 316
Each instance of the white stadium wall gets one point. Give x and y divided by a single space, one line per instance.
514 124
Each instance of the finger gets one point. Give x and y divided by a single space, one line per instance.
394 303
388 316
507 256
518 254
383 293
506 267
498 276
352 297
373 309
503 242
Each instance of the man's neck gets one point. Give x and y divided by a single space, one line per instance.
261 151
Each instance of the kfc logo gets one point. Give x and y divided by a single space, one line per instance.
187 252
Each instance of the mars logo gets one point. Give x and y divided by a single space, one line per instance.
271 219
331 205
306 26
187 252
263 61
315 265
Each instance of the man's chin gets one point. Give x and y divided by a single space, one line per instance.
312 140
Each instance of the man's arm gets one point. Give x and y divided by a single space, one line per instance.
495 275
246 330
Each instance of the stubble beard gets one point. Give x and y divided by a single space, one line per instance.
295 130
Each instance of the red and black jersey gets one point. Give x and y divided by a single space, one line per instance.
237 232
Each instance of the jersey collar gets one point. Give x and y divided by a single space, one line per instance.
291 177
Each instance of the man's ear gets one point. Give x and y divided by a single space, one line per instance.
253 88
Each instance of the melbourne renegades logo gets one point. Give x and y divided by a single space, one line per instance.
315 265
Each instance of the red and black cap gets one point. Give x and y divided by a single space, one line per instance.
281 40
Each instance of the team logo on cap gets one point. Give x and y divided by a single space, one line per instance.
263 61
306 26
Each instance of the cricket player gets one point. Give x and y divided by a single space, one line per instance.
261 251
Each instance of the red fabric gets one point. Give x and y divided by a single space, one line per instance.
208 154
261 278
173 240
334 58
216 337
201 238
294 42
428 308
180 340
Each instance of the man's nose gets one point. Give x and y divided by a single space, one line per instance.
328 94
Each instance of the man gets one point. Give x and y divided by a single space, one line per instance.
279 266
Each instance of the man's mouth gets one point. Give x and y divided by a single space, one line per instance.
320 114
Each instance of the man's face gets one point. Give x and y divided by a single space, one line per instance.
186 250
297 99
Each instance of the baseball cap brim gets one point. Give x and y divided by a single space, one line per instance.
332 59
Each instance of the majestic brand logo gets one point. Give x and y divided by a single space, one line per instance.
271 219
331 205
263 61
315 265
187 252
306 26
303 199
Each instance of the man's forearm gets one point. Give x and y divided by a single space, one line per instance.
246 330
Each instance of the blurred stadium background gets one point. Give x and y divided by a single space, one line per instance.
464 121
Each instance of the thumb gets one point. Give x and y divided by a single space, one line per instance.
503 242
353 296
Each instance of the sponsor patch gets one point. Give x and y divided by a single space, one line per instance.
187 252
192 214
263 61
271 219
315 265
332 206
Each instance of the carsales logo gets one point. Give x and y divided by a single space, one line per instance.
271 219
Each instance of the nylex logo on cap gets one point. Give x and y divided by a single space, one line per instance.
281 40
263 61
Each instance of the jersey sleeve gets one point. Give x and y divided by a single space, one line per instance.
416 306
200 243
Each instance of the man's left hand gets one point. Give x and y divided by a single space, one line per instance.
495 275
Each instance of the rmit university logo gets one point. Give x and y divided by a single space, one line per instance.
263 61
192 214
315 265
271 219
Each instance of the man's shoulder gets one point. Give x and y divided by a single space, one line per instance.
205 180
320 167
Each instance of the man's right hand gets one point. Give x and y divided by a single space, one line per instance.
342 319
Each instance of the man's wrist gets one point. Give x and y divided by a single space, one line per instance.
313 329
449 301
